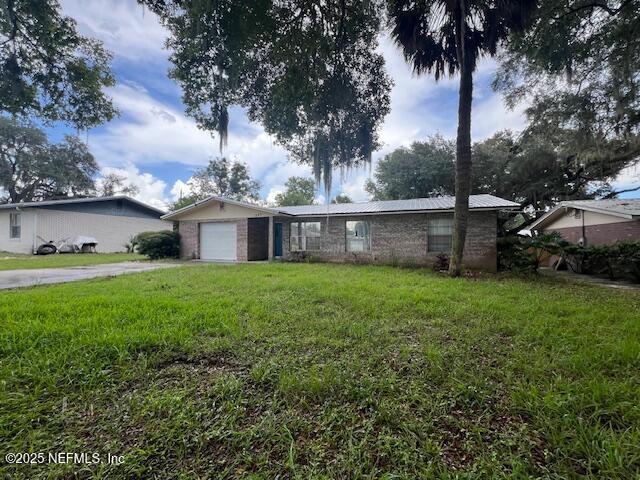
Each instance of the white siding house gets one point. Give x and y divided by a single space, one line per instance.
111 220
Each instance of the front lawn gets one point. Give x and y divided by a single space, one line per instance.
322 371
14 261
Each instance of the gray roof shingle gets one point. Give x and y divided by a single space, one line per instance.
629 206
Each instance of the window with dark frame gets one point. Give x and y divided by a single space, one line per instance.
358 236
14 226
439 234
304 236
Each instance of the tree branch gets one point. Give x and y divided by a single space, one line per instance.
590 6
614 194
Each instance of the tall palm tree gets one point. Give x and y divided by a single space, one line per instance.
446 37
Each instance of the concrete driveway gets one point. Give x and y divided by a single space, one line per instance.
44 276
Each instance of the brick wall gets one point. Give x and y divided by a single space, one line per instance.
242 239
401 239
394 239
603 234
188 231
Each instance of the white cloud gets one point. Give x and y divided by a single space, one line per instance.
180 189
354 188
150 189
149 131
273 192
491 115
126 28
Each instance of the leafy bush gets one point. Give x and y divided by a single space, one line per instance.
163 244
514 255
442 263
620 260
525 254
628 254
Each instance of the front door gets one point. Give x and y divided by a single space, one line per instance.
277 239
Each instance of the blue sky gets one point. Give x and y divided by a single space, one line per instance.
157 147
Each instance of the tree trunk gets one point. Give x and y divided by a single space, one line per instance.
463 167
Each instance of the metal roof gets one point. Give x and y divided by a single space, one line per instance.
625 208
486 202
45 203
476 202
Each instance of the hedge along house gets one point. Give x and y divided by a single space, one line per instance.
403 231
111 220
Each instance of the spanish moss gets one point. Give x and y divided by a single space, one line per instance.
223 127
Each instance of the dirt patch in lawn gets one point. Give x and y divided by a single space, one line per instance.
465 435
206 363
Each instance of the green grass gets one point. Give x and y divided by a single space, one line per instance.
14 261
322 371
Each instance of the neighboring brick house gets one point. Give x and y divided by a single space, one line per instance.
396 231
593 222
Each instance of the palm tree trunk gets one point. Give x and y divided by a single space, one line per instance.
463 167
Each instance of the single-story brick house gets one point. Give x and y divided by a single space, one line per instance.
593 222
111 220
409 231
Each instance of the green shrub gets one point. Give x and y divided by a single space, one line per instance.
514 255
442 263
628 254
620 260
521 254
163 244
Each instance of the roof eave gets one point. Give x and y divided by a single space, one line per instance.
552 214
604 211
46 203
214 198
400 212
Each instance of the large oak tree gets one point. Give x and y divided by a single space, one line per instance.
32 168
526 168
578 68
48 70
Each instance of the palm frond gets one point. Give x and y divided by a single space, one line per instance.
425 30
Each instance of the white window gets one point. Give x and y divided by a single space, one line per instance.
304 236
358 236
440 232
14 225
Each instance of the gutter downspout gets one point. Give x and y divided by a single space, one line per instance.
35 231
584 232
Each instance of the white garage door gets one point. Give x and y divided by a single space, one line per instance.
218 241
